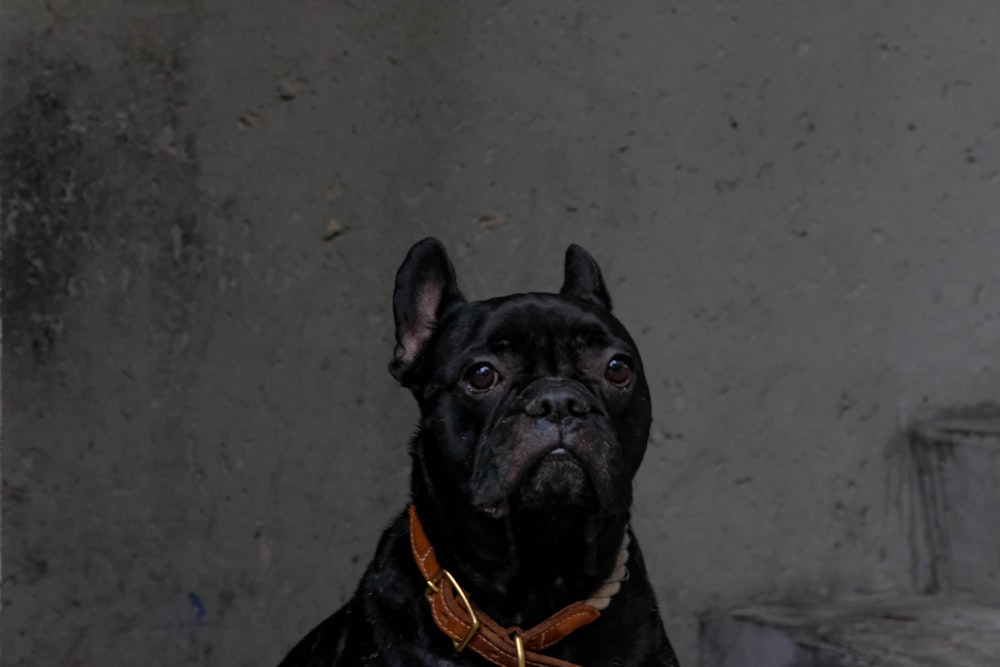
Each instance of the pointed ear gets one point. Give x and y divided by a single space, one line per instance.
583 278
425 289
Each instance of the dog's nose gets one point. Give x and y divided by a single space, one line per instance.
557 403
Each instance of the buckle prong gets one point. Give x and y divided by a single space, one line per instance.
432 583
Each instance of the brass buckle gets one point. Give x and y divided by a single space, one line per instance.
519 643
432 588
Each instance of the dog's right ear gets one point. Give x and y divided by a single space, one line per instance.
425 290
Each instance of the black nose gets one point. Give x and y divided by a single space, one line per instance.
556 401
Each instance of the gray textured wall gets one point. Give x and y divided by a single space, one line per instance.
796 206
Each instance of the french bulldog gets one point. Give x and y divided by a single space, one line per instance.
516 549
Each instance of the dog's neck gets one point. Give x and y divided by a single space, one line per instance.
524 566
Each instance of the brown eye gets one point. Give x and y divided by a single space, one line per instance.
618 372
481 377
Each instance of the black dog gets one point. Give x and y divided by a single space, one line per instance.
517 549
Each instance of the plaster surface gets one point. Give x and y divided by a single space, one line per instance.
795 206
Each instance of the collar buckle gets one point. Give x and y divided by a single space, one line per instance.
519 646
434 586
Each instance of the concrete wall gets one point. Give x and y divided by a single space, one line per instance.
796 206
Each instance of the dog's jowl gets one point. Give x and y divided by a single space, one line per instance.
516 548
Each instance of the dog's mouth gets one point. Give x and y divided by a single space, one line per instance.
529 475
559 479
558 453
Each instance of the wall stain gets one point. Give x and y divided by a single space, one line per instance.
45 190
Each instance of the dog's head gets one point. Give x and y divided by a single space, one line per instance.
527 401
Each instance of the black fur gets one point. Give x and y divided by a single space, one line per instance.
524 487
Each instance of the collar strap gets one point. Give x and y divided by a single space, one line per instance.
468 627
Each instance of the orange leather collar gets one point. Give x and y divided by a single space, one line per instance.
468 627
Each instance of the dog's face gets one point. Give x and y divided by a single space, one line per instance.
528 401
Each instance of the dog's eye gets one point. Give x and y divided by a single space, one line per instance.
481 377
618 372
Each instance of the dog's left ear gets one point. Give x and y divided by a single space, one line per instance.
583 278
425 289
